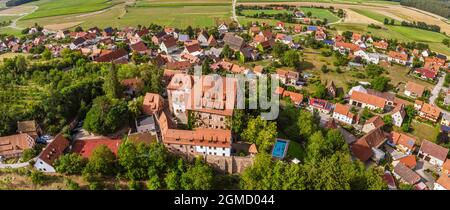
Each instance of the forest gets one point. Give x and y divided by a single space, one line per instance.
439 7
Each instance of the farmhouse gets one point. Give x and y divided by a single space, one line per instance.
343 114
367 146
51 153
14 145
428 111
372 124
402 142
366 100
398 57
432 153
414 90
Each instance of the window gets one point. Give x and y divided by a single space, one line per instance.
221 119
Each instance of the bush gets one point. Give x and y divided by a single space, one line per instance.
72 185
37 177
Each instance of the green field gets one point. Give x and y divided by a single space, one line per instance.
321 14
64 7
371 14
329 1
401 33
7 18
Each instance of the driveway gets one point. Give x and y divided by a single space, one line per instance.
436 90
17 165
420 169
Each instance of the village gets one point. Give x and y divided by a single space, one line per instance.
376 122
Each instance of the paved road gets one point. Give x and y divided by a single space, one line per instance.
436 90
234 17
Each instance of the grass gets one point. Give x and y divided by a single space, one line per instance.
10 31
64 7
371 14
329 1
295 150
401 33
321 14
7 18
424 131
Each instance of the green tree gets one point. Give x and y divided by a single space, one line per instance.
291 58
172 180
386 21
46 55
307 124
102 162
37 177
106 115
112 86
380 83
227 52
71 163
197 177
260 132
319 90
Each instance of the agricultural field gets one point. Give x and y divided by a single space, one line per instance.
64 7
321 14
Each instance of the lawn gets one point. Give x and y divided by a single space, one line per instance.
64 7
424 131
10 31
295 150
7 18
321 14
265 11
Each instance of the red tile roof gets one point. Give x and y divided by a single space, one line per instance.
398 55
362 148
406 174
409 161
415 88
444 181
434 150
368 99
54 149
343 110
348 46
402 139
87 146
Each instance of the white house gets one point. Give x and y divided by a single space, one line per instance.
342 113
222 28
202 39
398 115
51 153
433 153
169 45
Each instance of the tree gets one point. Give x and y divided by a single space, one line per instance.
112 86
387 119
153 182
386 21
238 121
291 58
197 177
172 180
279 49
206 68
78 29
37 177
324 68
307 124
102 162
227 52
71 163
319 90
392 22
380 83
309 14
46 55
190 31
373 70
106 115
260 132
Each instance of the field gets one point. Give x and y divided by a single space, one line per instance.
64 7
321 14
424 131
401 33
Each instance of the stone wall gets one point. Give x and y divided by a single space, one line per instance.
231 164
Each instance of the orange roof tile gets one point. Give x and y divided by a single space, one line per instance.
368 99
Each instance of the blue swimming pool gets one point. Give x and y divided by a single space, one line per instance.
280 148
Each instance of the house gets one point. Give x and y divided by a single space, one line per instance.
367 100
14 145
77 43
146 124
222 28
432 153
117 56
372 124
212 42
414 90
405 174
425 73
402 142
398 57
193 50
296 98
140 48
29 127
367 146
445 119
287 77
201 141
202 38
443 183
280 26
357 38
169 45
428 111
321 105
434 63
398 115
343 114
51 153
298 28
152 104
344 47
86 147
382 45
409 161
235 42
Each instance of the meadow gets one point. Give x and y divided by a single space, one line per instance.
64 7
316 13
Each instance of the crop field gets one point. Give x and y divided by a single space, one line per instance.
321 13
64 7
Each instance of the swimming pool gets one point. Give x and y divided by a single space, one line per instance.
280 148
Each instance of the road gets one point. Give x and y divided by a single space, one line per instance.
234 17
14 22
436 90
